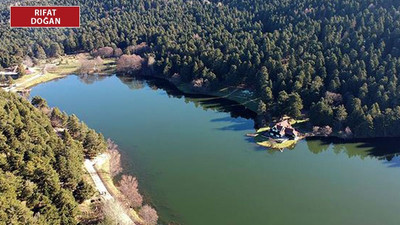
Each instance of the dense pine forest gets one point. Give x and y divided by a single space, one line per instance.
41 169
336 61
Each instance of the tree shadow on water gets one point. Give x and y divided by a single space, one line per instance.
235 124
385 149
393 161
206 102
219 104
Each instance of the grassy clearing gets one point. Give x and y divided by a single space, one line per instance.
236 95
109 66
270 143
43 78
71 64
60 67
231 93
262 129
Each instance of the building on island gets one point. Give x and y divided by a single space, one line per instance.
283 129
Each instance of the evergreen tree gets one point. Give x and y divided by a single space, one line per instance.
94 143
21 70
40 53
295 105
262 108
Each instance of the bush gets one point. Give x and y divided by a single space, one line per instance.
148 215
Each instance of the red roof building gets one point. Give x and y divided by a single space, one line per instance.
282 129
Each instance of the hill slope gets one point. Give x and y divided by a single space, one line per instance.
40 170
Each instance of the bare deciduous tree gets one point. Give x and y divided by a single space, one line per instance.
115 158
333 98
86 65
150 61
138 49
129 63
105 52
348 132
199 83
148 215
129 188
89 66
117 52
27 61
324 131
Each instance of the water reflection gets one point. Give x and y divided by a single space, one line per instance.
204 101
387 149
235 124
393 162
132 83
90 78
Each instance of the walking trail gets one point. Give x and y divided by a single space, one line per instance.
13 88
101 188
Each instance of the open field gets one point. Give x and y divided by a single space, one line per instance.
48 70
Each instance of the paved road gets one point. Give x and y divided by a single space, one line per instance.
101 188
13 88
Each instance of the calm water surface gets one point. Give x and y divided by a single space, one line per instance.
195 165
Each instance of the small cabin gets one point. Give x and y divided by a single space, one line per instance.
283 129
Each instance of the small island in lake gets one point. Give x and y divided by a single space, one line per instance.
279 135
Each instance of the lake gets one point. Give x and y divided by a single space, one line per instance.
195 165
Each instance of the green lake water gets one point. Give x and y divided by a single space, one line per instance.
195 165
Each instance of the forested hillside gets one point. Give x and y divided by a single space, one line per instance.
41 170
337 61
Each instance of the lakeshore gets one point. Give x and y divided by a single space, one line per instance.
52 69
97 170
188 179
102 168
72 64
